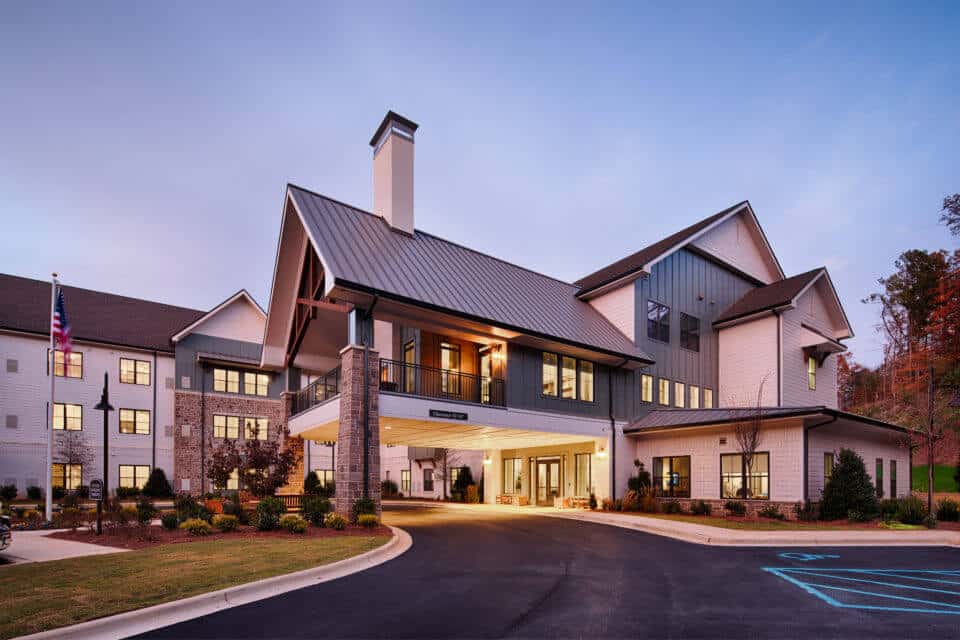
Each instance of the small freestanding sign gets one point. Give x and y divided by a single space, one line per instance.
96 493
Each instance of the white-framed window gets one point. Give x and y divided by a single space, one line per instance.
135 371
67 416
134 475
135 421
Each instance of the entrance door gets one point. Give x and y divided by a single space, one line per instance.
548 481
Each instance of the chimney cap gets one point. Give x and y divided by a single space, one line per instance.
387 119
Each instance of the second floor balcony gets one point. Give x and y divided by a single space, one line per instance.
444 384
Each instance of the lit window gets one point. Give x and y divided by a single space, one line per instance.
135 421
226 380
550 374
67 476
689 332
67 417
226 427
134 371
428 479
812 373
74 364
658 321
134 475
582 469
679 394
733 471
512 483
671 476
663 391
827 466
255 384
707 398
586 381
450 368
409 364
568 377
646 388
694 396
405 481
255 428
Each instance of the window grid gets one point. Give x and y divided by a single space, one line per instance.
663 391
694 396
567 378
135 371
255 428
707 398
679 394
67 476
134 475
512 470
671 476
136 421
256 384
226 427
73 413
758 477
658 321
583 471
74 364
811 373
646 388
689 332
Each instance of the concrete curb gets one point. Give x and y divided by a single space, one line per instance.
130 623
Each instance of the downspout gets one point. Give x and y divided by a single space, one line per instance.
779 358
153 453
806 455
203 438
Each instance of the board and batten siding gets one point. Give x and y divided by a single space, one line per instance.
747 358
689 283
190 370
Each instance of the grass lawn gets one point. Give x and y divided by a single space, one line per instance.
943 481
762 524
47 595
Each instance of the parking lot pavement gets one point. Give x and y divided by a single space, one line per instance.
37 546
473 575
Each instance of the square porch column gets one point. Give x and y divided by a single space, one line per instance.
349 463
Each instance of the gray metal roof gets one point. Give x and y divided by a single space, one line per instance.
660 419
362 251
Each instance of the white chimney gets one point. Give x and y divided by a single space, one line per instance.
393 171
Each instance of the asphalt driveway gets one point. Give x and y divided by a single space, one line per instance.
493 575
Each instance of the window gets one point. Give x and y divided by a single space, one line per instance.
233 482
586 380
689 332
663 391
67 476
409 361
732 472
428 479
827 466
325 476
74 364
255 428
679 394
512 468
450 364
550 374
707 398
694 396
646 388
67 416
405 481
582 474
226 427
454 474
812 373
255 384
568 378
671 476
226 380
135 421
658 321
893 478
134 371
134 475
878 478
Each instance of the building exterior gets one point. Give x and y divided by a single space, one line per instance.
382 344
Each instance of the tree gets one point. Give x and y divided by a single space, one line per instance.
157 485
747 432
224 460
848 489
265 465
950 214
443 460
72 448
311 484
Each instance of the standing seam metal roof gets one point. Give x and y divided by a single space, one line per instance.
361 249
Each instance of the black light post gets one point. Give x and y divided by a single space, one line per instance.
104 405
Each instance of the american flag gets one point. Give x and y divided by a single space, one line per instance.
61 326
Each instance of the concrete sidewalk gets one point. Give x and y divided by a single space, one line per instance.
37 546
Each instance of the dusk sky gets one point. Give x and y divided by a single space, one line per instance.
145 148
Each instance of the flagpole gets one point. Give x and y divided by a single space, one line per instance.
53 378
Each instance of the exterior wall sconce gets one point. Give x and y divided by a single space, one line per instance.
498 354
602 453
487 460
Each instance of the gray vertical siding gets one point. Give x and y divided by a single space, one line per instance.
187 365
677 281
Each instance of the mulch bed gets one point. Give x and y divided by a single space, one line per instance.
136 538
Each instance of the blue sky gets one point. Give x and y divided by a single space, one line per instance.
144 148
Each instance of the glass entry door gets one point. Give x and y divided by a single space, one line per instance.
548 481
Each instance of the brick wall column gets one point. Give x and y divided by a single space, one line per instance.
350 451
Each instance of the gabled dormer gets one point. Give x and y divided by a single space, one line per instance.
239 318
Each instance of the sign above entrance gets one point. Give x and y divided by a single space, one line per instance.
448 415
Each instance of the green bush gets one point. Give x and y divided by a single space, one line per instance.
363 506
672 507
233 507
929 521
59 492
857 516
593 501
225 523
35 493
269 510
186 506
336 521
848 489
314 509
948 510
618 505
911 510
700 508
888 509
8 493
389 489
68 518
648 503
735 507
168 520
311 484
293 523
368 520
806 511
157 485
197 527
127 492
773 512
146 511
464 480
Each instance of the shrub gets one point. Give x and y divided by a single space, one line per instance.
631 501
857 516
889 508
233 507
700 508
648 503
33 518
157 485
71 500
59 492
593 501
672 507
8 493
929 521
606 504
911 510
389 489
948 510
127 492
368 520
204 513
268 513
806 511
197 527
225 523
69 518
848 489
168 519
314 509
293 523
186 506
335 521
618 505
363 506
464 480
773 512
35 493
145 510
311 484
735 507
473 494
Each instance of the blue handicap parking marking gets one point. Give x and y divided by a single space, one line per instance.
904 590
807 557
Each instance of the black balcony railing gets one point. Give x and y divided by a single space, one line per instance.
417 380
320 390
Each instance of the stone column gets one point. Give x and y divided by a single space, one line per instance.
296 477
350 449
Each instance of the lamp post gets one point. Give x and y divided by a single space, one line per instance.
104 405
